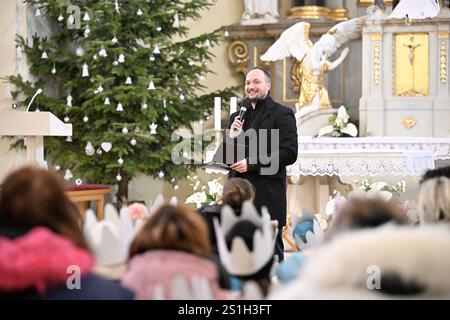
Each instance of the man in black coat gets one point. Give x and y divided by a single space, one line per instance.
272 127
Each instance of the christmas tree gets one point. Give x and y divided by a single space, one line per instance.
113 70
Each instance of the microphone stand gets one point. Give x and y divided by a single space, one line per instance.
39 91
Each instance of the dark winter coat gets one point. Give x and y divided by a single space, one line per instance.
270 189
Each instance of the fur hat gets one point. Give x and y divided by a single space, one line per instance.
390 262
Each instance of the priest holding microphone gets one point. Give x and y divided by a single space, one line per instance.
272 128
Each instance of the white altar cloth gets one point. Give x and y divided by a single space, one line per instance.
440 147
361 162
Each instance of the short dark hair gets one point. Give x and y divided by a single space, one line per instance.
266 73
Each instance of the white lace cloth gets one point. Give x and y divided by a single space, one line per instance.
361 162
440 147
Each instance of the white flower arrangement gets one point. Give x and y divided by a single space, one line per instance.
368 189
204 194
378 189
339 125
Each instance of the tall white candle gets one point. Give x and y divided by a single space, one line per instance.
217 113
233 105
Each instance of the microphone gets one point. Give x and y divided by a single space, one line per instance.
244 104
39 91
242 112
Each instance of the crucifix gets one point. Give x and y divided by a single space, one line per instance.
411 48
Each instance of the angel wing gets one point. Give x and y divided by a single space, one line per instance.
347 30
294 41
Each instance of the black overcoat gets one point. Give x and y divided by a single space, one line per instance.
270 188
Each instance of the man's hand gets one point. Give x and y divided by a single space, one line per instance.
240 166
236 128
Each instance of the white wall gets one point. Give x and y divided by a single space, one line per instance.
12 20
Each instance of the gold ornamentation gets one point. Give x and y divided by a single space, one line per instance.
443 35
311 85
443 62
409 122
306 34
376 65
256 57
411 64
408 21
317 12
287 99
308 84
296 75
332 31
376 36
364 3
308 12
338 14
238 56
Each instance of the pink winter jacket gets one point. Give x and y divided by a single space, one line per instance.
39 260
157 269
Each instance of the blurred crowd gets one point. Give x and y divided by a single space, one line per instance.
370 249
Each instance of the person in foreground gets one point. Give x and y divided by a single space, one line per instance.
169 258
43 254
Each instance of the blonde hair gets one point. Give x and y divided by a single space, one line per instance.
433 203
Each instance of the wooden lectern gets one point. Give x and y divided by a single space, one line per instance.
33 126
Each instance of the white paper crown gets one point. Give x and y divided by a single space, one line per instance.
240 260
159 202
198 288
110 238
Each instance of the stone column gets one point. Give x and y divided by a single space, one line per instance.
440 44
335 4
371 107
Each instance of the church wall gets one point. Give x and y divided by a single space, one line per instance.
11 21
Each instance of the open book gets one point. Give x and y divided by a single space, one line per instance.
227 153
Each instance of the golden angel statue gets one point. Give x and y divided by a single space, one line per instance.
313 59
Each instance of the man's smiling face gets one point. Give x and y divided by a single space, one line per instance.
256 85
